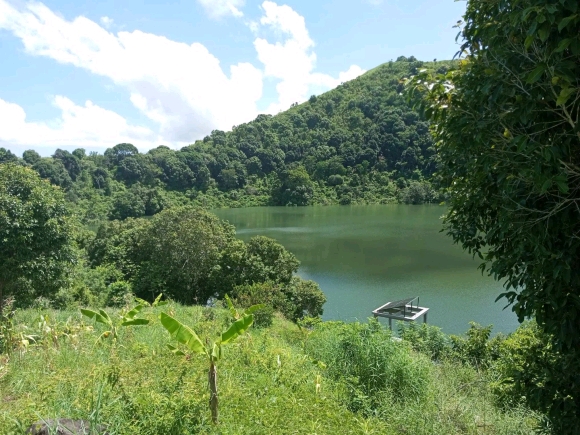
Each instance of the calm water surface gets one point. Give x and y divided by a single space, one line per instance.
365 256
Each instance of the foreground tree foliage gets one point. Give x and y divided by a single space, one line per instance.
506 123
35 234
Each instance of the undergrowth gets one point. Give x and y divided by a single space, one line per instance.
335 378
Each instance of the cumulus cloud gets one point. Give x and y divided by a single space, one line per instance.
106 21
78 126
181 87
221 8
292 60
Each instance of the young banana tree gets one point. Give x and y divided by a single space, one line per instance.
212 350
156 303
127 319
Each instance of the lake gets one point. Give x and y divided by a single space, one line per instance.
365 256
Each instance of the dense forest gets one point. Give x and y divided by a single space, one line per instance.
360 143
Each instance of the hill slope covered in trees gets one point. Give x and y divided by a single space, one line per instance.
359 143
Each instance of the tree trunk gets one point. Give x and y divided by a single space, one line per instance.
213 398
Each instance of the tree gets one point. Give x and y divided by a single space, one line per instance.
212 350
70 161
6 156
35 231
295 188
178 252
507 127
31 157
54 170
120 151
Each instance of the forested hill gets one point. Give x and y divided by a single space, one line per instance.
358 143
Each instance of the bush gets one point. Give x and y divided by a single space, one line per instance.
427 339
304 299
476 348
268 294
375 369
335 180
529 369
119 293
295 300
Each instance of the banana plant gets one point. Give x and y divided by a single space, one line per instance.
127 319
212 350
156 303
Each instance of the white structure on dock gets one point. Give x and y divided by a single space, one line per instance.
405 309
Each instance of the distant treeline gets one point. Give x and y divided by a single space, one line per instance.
357 144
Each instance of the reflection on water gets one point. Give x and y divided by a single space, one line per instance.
364 256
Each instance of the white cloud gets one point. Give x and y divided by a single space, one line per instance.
293 60
221 8
87 126
182 87
106 21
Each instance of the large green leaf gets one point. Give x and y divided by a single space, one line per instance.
135 322
254 308
237 328
565 21
216 352
97 316
134 312
182 333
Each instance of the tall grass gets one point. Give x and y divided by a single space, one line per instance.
268 385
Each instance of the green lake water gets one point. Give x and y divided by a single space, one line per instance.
365 256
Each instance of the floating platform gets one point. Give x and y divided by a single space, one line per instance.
407 310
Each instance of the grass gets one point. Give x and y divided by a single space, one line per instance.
269 381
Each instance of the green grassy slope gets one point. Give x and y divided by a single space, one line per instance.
267 382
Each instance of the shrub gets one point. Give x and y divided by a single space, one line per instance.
119 293
295 300
530 369
427 339
476 348
375 369
268 294
304 299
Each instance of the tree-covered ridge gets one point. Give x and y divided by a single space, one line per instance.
359 143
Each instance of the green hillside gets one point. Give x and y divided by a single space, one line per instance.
357 144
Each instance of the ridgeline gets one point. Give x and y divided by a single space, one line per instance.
357 144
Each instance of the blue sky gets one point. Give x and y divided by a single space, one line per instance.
93 74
